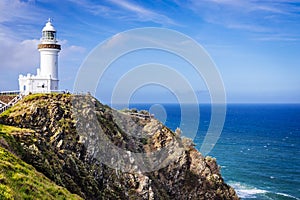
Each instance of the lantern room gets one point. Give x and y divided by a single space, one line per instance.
49 33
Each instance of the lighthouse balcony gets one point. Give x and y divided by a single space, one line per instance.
49 46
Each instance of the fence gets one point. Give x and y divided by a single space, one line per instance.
13 92
11 103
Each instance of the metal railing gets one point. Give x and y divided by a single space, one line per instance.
11 103
12 92
143 116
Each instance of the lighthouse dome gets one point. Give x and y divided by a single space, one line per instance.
48 33
49 26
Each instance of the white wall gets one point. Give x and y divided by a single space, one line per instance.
49 62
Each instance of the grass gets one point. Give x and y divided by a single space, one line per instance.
33 96
6 134
6 113
12 110
29 103
18 180
43 95
11 129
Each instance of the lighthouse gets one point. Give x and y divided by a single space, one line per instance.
46 79
49 49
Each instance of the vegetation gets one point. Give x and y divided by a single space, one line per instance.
10 129
19 180
6 113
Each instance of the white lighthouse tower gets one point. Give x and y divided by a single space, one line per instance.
49 49
46 79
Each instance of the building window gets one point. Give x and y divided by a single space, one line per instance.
24 88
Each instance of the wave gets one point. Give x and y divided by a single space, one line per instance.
287 195
249 192
246 191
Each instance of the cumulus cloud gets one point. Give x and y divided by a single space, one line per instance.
70 52
19 55
24 55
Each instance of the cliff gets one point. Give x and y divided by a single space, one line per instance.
100 153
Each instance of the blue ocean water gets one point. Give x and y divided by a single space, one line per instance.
258 150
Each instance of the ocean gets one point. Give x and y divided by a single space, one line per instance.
258 150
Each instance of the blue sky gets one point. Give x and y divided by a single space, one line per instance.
254 44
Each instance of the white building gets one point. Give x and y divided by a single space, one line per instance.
46 79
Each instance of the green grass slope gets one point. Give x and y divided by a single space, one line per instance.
18 180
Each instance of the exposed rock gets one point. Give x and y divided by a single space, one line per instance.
100 153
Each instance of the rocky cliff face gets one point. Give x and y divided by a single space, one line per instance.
100 153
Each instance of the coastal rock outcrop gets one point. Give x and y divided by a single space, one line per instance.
100 153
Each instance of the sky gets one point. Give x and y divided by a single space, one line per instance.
255 44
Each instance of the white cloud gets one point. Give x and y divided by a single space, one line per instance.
142 13
21 19
93 8
70 52
16 10
22 56
20 29
19 39
278 37
277 6
246 26
19 55
266 20
138 13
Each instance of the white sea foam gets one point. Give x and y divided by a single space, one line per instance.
246 191
287 195
250 192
